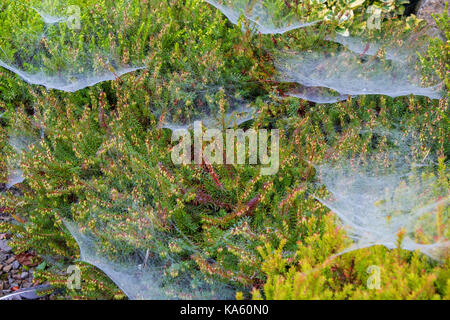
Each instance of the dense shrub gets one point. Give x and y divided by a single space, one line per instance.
105 158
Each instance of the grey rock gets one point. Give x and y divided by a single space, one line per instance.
28 294
4 246
24 275
3 256
426 8
16 265
10 260
7 268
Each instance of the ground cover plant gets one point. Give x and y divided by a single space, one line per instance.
92 91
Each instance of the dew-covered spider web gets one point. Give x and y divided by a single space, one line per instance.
142 276
383 63
124 232
19 143
215 105
379 195
390 51
350 74
147 256
52 11
316 94
67 47
266 16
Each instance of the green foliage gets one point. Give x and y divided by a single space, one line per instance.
105 159
435 61
370 273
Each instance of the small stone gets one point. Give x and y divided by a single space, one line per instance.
4 246
26 284
425 11
16 265
10 260
24 275
7 268
3 256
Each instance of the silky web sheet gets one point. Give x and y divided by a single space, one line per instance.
139 273
360 45
377 195
266 16
62 46
134 282
48 49
52 11
381 62
349 74
212 105
317 94
20 144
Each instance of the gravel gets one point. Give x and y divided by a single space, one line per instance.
14 278
4 246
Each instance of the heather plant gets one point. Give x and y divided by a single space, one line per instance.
435 60
100 189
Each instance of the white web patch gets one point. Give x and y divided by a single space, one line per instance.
349 74
263 15
57 53
378 195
